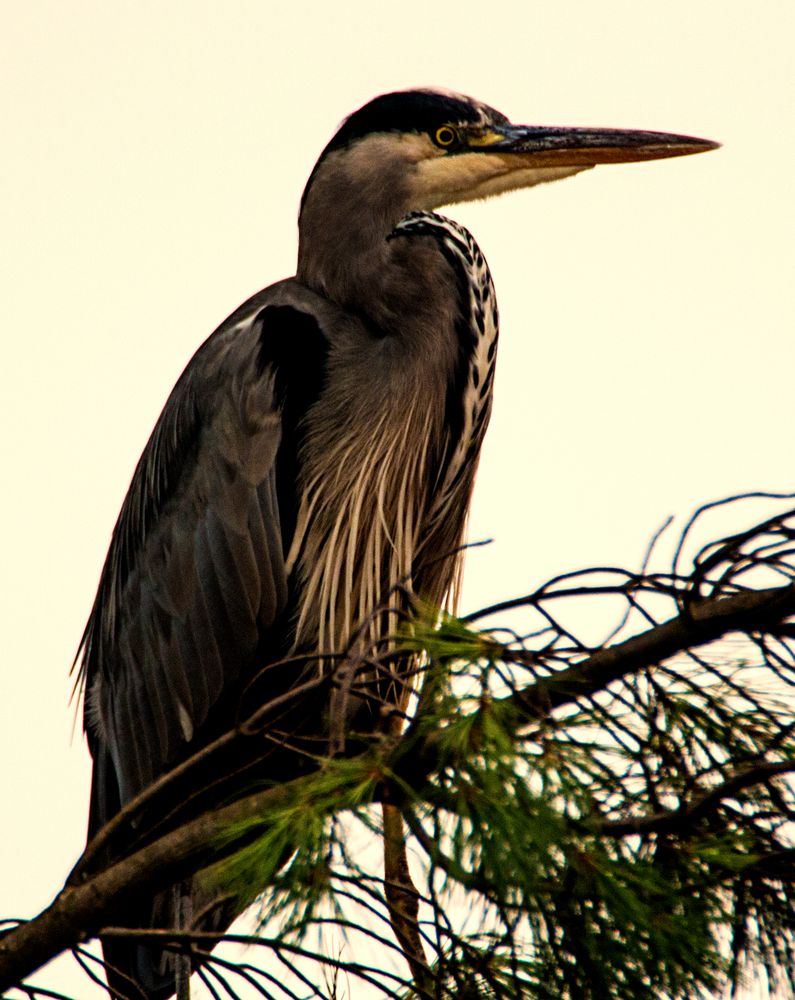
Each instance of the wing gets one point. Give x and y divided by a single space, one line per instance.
194 585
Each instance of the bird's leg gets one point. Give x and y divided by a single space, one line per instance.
402 900
344 699
183 911
344 676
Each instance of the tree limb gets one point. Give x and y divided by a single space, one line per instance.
697 625
689 813
82 909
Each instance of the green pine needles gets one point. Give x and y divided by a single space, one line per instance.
547 810
582 821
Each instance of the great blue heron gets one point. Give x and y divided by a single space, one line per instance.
318 450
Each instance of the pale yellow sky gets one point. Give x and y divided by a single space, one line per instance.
154 155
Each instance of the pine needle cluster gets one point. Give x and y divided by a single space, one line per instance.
573 831
550 809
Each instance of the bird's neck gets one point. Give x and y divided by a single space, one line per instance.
342 259
350 207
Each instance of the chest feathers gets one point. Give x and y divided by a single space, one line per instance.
385 510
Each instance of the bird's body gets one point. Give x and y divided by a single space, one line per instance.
315 459
229 553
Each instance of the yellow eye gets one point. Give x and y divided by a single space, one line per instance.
445 136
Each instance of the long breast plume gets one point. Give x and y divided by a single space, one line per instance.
371 508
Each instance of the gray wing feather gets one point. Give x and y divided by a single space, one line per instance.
195 573
266 532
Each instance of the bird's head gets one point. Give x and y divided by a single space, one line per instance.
419 149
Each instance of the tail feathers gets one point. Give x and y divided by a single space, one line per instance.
138 971
145 971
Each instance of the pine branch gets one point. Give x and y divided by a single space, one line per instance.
689 814
409 765
80 911
698 625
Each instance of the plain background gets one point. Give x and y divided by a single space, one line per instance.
153 157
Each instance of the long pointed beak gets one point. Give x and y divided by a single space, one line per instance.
584 147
